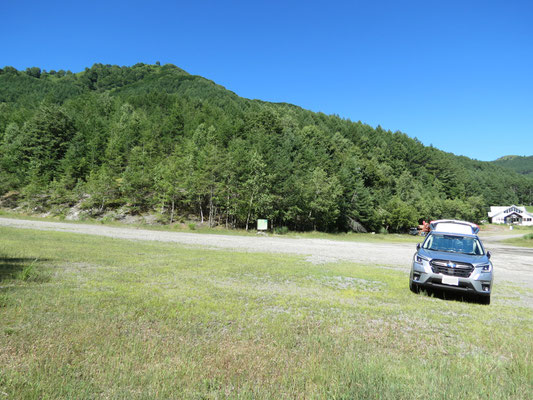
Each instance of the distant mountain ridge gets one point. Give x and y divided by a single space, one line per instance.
521 164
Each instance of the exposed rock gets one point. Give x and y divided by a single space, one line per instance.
9 200
355 225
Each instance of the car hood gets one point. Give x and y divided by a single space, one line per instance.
458 257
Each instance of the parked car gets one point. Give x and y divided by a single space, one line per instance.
452 257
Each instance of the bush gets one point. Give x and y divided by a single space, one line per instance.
282 230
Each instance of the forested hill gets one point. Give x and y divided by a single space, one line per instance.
155 139
522 165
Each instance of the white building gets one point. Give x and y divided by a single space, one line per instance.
510 215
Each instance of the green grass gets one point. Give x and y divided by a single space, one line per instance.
524 241
501 229
106 318
221 230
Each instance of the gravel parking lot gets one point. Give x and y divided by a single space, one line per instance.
514 264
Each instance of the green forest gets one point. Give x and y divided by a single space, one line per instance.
155 139
522 165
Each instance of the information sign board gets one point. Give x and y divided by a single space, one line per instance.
262 224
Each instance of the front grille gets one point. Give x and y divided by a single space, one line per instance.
452 268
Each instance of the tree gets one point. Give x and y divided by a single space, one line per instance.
362 208
13 166
137 184
34 72
169 182
204 165
400 216
256 188
124 135
321 194
10 70
45 139
103 188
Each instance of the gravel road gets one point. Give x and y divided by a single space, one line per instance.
511 263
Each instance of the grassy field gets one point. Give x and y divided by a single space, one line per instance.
524 241
501 229
88 317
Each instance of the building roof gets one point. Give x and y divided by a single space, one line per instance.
506 210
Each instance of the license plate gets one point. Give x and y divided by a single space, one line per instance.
450 280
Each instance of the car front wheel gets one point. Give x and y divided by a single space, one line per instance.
413 287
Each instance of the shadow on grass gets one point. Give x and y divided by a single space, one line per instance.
20 268
455 296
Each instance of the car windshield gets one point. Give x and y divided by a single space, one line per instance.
454 244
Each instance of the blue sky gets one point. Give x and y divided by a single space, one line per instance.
455 74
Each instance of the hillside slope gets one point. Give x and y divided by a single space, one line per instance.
521 164
152 138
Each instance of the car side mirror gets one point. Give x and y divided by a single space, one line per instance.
418 246
488 254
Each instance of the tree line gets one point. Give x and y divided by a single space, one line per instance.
151 138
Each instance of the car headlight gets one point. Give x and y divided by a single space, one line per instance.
485 267
420 259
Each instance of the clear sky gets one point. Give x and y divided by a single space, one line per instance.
455 74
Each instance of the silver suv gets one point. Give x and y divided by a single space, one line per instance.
452 257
